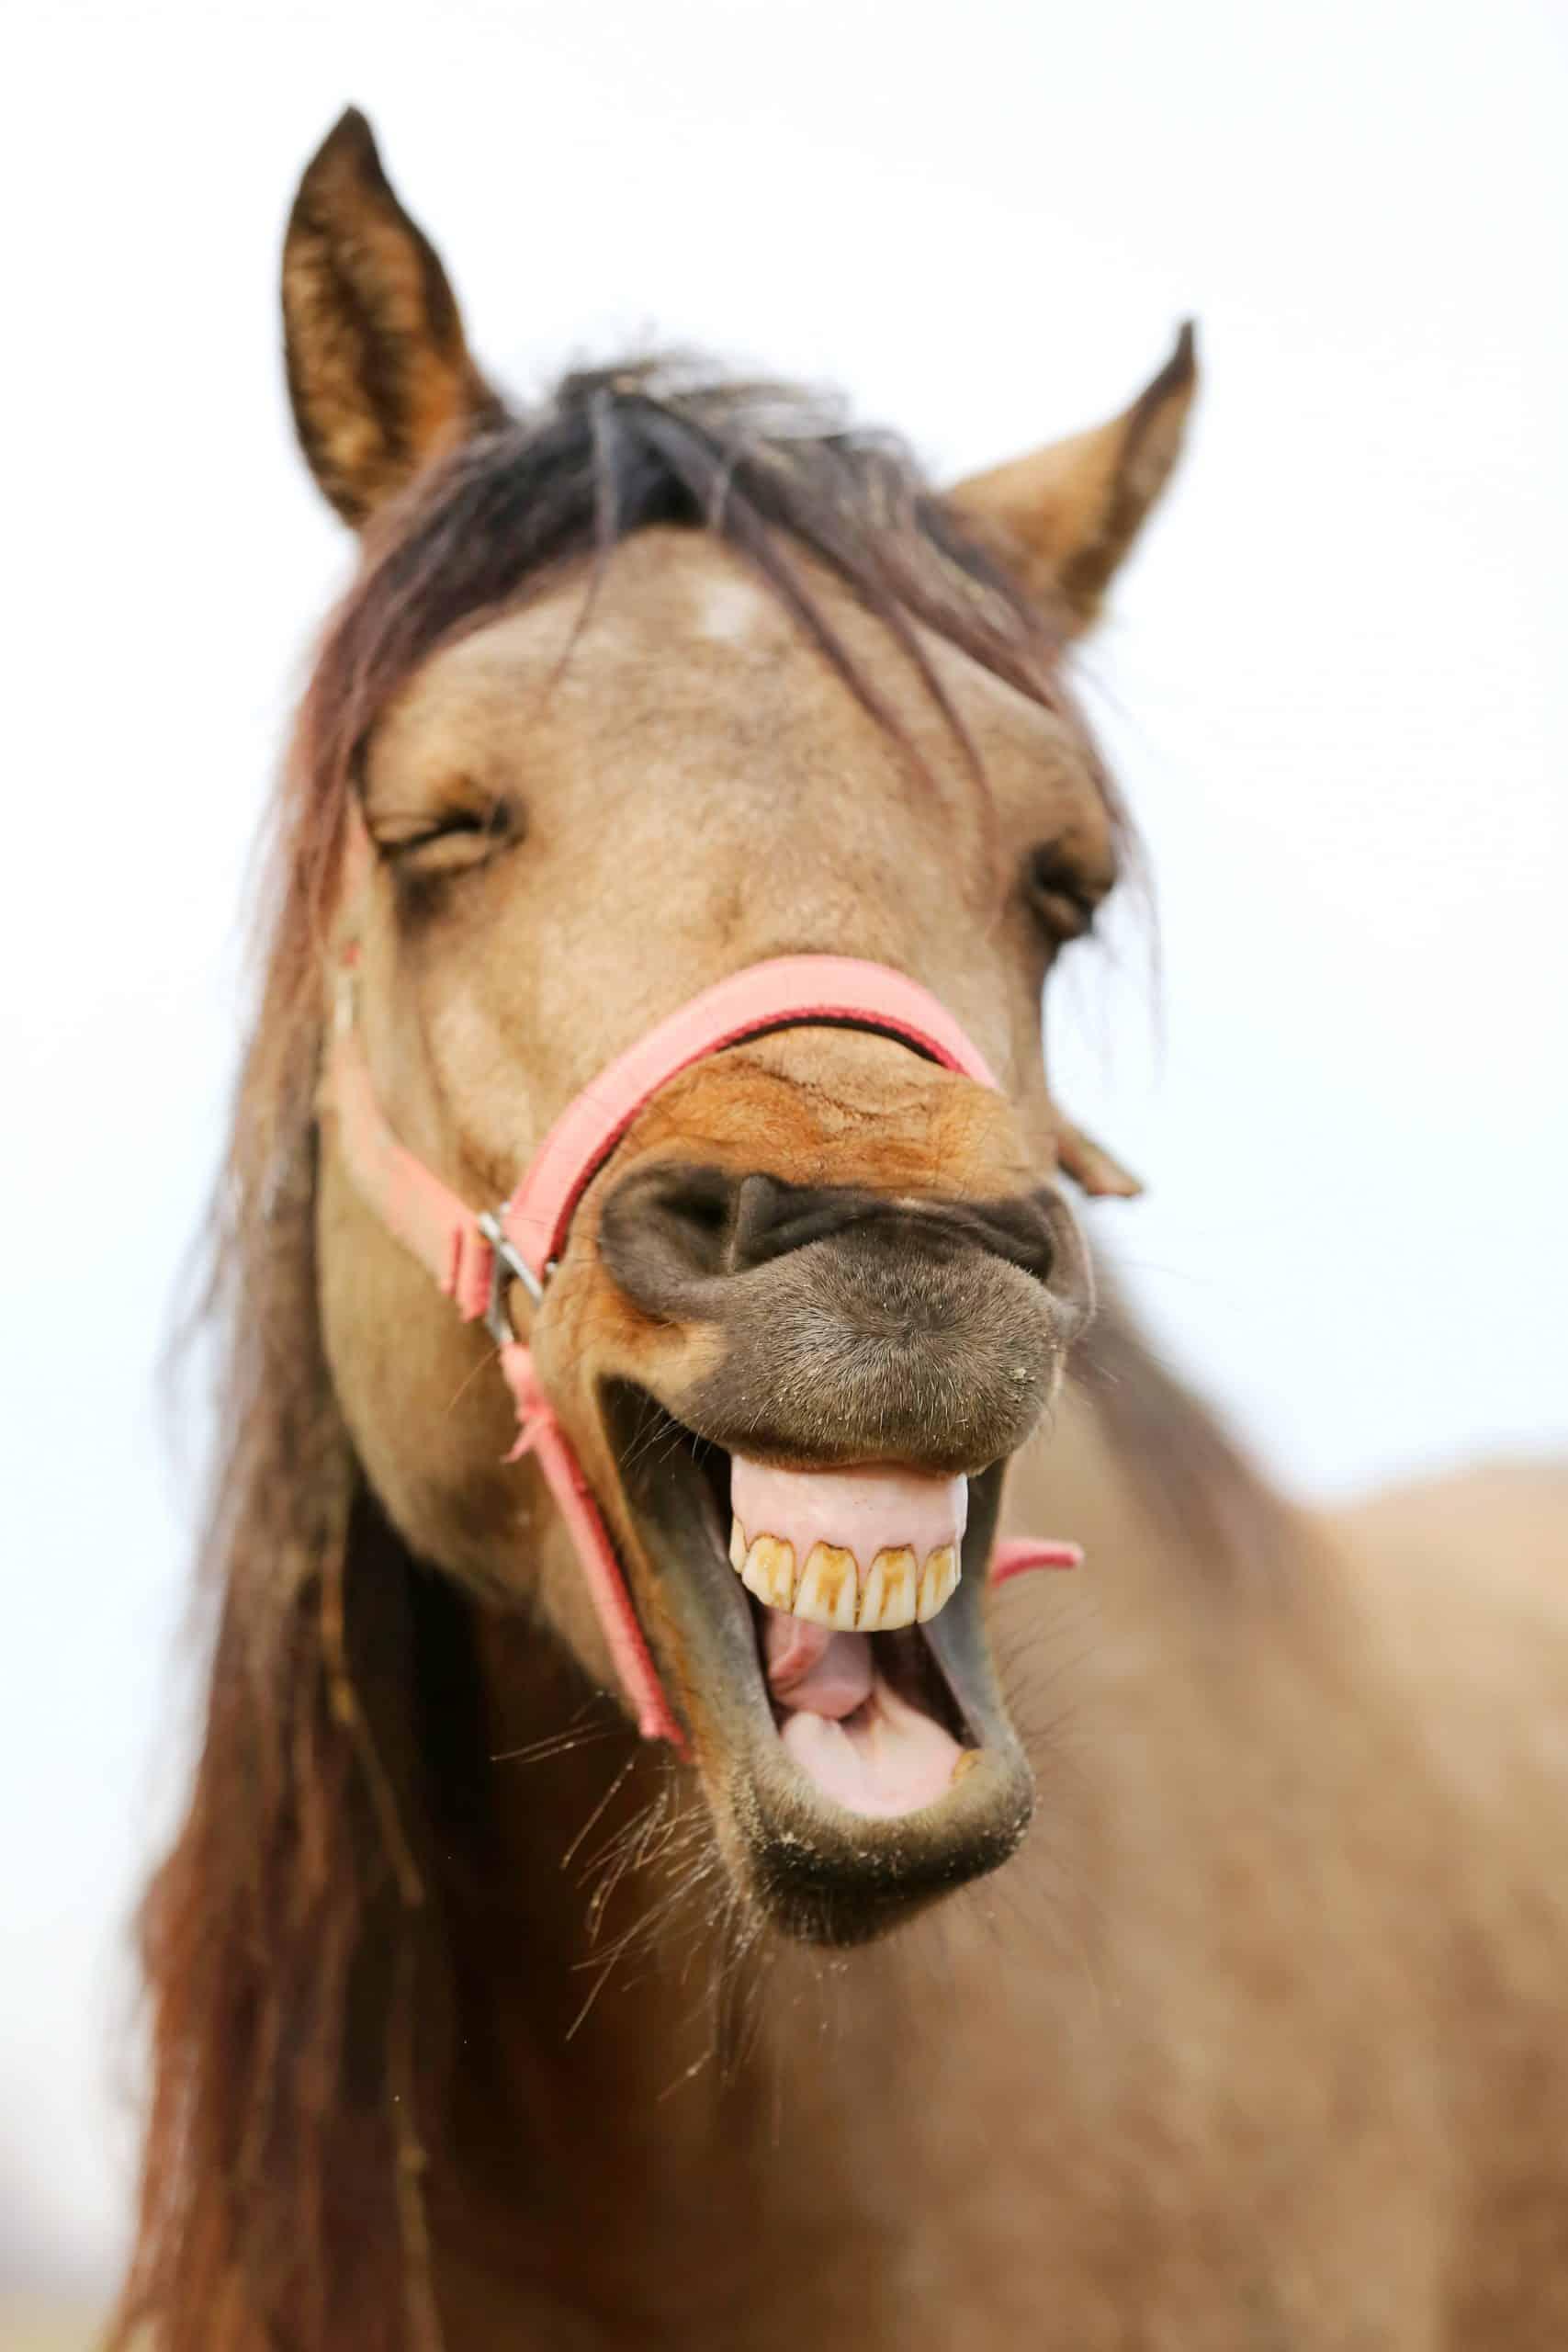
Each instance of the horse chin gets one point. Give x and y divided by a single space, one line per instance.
831 1852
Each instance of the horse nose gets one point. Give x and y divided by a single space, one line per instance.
671 1232
853 1325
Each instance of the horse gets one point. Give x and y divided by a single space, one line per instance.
644 1881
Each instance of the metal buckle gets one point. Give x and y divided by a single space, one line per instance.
504 1265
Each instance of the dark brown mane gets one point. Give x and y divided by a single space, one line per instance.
295 1935
775 472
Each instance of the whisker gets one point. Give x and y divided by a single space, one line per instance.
618 1783
558 1743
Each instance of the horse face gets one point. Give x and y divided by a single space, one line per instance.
818 1268
822 1290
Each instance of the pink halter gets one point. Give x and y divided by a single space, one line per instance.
474 1255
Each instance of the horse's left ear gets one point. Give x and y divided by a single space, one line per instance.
1066 515
379 372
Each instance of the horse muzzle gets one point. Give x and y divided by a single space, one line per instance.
816 1506
845 1327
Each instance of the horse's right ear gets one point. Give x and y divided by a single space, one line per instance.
379 373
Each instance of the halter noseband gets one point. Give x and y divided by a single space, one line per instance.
474 1254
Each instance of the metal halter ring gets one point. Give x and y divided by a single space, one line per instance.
506 1266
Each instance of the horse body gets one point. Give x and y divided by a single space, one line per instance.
479 2021
1265 2049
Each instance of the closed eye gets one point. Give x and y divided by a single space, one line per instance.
465 834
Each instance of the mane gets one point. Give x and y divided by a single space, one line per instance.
773 470
294 1943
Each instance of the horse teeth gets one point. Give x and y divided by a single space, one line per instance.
939 1581
769 1572
889 1596
828 1591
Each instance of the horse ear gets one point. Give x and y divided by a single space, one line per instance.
1066 515
379 373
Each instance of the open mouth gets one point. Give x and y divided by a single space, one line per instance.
835 1663
843 1569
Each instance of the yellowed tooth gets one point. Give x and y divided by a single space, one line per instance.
889 1595
769 1571
939 1581
829 1592
738 1545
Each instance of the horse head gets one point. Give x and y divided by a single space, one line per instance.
654 687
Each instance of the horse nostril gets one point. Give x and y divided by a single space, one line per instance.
700 1200
695 1205
666 1225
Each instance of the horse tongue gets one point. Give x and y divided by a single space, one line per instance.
846 1729
811 1668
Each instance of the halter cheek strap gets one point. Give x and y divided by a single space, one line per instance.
474 1256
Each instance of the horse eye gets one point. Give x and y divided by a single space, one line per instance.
459 836
1063 900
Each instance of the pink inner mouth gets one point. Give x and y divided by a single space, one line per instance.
860 1741
832 1561
855 1737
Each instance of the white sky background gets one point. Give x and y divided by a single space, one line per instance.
1333 685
